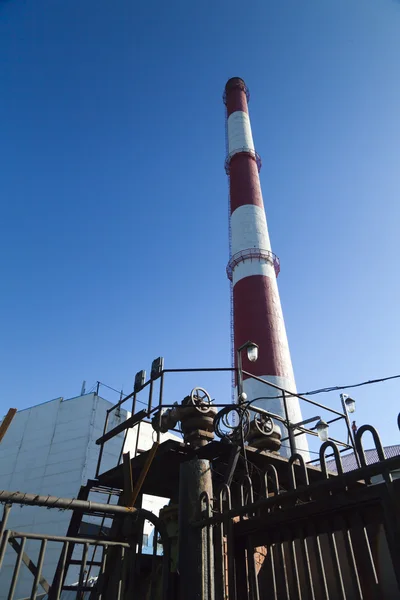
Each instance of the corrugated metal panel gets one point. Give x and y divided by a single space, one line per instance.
350 464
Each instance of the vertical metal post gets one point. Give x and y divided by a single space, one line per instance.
134 403
194 482
242 582
349 431
16 570
292 441
150 402
4 543
6 512
39 570
60 574
160 400
239 373
251 566
122 571
102 571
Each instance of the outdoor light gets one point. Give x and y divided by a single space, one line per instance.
252 352
350 404
322 429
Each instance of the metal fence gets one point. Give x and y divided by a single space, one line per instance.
337 538
107 567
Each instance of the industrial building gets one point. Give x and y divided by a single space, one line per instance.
51 448
245 513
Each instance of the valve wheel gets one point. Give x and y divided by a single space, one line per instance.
264 424
200 399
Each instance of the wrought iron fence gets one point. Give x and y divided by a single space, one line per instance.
337 538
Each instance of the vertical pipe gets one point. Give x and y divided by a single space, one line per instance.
39 570
16 569
194 482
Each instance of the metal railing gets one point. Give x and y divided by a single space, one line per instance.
111 569
155 404
335 538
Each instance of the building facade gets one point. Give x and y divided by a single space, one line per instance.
51 449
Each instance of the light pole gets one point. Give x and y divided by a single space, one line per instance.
252 355
349 406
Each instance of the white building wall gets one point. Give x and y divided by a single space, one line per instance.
51 449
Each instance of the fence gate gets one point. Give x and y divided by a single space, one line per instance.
338 538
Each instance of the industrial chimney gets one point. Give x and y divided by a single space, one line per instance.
253 268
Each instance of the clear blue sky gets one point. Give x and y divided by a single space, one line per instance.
113 231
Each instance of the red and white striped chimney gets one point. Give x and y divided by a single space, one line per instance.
252 269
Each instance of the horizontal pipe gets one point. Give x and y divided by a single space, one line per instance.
65 503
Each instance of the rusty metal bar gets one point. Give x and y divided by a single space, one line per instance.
129 423
65 503
6 422
144 471
128 480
